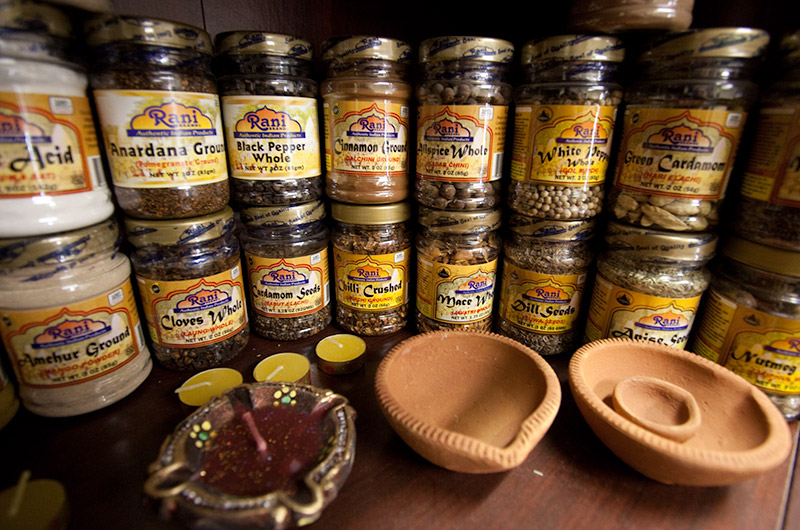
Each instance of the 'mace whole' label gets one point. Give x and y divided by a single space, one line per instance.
455 293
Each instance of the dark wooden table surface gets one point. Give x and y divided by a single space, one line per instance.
570 480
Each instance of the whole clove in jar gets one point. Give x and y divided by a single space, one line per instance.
563 126
159 115
371 256
190 283
269 109
286 250
462 116
457 257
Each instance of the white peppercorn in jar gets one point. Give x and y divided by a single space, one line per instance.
649 284
69 321
461 121
682 127
269 110
367 113
160 116
286 250
545 265
564 125
457 257
189 277
750 320
371 255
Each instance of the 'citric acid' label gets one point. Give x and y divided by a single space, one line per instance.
63 346
567 145
461 142
685 153
762 348
288 287
271 137
189 313
455 293
162 139
48 146
371 282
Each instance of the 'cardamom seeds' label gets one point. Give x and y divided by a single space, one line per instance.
288 287
455 293
371 282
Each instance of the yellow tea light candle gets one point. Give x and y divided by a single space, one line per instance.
341 354
198 389
284 367
34 505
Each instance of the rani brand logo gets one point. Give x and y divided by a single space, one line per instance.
15 130
283 278
268 123
169 120
668 321
368 273
372 126
588 132
70 332
789 346
201 300
680 138
547 294
475 285
447 130
549 230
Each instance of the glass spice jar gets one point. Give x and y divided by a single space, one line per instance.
564 125
648 284
371 255
750 320
545 265
618 16
366 110
160 116
457 255
461 121
682 127
190 282
69 321
269 109
286 250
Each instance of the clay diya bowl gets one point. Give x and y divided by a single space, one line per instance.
468 401
674 416
214 471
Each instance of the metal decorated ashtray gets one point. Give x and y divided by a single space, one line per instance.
265 455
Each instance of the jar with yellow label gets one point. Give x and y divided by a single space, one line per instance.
750 322
269 110
371 256
457 257
160 116
545 264
649 284
69 321
462 116
682 127
564 126
367 114
286 250
190 282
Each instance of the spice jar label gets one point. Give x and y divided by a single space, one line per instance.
562 144
194 312
542 303
463 142
371 282
686 153
773 168
616 312
47 146
162 139
287 287
762 348
271 137
63 346
366 138
455 293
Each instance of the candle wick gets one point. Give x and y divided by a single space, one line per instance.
261 443
22 485
274 373
337 343
192 387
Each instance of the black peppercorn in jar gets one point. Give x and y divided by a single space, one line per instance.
190 283
286 250
564 124
457 255
461 121
159 115
682 127
269 109
545 264
371 255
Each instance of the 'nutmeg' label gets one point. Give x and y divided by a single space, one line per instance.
455 293
287 287
371 282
